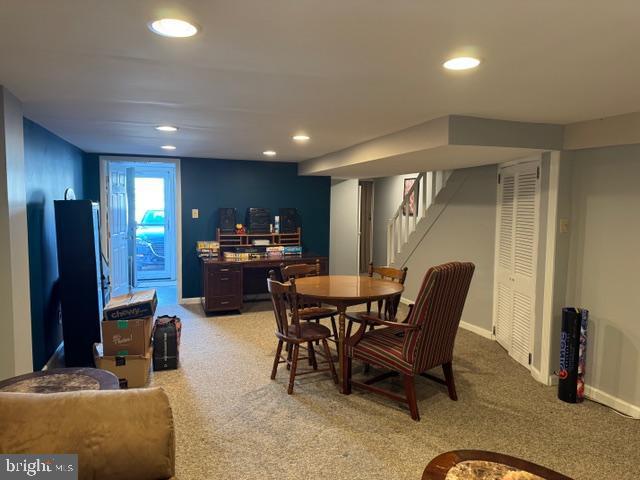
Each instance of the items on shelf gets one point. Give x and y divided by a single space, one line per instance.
207 248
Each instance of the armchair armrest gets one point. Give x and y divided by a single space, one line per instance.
370 319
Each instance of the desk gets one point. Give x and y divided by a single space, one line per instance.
343 291
225 283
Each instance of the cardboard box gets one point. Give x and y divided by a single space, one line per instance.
131 370
132 305
126 337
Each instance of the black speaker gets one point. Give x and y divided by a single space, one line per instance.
289 221
258 220
227 219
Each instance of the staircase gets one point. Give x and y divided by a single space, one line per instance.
419 210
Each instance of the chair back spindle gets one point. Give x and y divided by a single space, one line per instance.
284 299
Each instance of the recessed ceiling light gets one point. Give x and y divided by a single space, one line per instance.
168 147
166 128
172 27
461 63
301 138
269 153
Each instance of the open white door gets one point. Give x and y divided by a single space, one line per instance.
118 229
516 259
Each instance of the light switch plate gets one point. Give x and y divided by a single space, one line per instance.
195 213
564 225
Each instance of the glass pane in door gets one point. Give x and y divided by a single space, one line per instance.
150 228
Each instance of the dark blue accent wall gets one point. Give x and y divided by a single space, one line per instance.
51 166
210 184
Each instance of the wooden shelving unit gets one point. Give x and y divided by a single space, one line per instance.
246 239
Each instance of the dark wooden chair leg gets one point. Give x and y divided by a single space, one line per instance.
312 356
327 352
448 376
289 353
294 365
410 389
335 329
276 360
349 361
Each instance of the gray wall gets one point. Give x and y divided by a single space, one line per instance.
465 231
604 264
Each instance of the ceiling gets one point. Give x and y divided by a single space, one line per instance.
343 71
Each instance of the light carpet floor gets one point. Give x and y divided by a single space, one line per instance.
233 422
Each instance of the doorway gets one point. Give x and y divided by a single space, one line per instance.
141 233
366 225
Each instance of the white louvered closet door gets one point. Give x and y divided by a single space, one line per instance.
516 259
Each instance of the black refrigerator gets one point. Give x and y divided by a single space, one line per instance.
83 286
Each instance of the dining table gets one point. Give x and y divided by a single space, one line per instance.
343 291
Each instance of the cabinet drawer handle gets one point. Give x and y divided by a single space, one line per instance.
224 269
224 303
224 279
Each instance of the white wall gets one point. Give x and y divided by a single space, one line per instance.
15 321
465 231
343 242
604 266
387 196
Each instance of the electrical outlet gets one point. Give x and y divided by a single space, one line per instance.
564 225
195 213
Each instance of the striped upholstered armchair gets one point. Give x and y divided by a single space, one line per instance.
423 341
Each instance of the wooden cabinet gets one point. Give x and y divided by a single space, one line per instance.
221 286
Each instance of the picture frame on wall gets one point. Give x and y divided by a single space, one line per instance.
408 183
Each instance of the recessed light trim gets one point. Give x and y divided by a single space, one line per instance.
173 27
166 128
269 153
301 138
461 63
168 147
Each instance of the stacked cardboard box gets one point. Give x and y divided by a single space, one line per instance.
127 328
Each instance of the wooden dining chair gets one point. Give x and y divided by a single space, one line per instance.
424 341
290 330
314 310
387 308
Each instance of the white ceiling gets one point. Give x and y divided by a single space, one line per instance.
344 71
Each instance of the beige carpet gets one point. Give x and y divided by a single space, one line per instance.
233 422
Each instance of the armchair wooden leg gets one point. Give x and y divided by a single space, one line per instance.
327 352
312 356
410 390
276 360
448 376
294 365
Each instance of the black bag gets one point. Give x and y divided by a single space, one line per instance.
166 343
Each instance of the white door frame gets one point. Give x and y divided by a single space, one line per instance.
104 159
538 159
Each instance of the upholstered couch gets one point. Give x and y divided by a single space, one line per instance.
118 434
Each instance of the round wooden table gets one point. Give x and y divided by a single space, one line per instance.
343 291
480 465
61 380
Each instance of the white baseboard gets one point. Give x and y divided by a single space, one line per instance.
477 330
616 403
189 301
467 326
540 377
